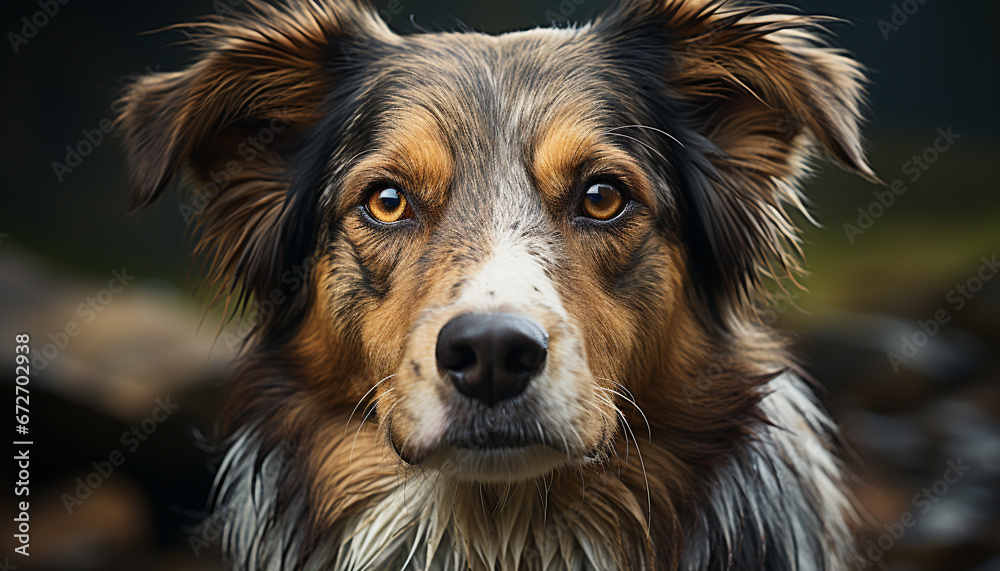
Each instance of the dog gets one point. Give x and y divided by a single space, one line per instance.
507 291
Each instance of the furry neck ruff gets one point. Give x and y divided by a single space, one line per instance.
778 504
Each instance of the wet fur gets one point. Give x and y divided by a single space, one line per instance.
694 443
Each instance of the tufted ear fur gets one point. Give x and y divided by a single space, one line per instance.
753 93
234 122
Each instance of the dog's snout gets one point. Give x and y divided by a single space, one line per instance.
491 356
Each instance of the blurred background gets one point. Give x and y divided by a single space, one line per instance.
899 323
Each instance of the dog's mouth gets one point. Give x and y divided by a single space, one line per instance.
474 439
503 445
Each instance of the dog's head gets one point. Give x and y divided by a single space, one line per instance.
507 237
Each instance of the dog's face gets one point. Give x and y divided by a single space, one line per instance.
512 236
500 244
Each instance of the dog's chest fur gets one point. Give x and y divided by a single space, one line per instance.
764 510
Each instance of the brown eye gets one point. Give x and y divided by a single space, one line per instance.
389 205
602 201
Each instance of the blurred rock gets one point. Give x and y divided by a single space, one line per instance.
120 375
116 352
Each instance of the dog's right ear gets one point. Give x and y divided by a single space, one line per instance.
231 121
754 93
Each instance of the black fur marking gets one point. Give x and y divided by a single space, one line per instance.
456 289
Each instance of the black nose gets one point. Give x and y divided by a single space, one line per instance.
491 356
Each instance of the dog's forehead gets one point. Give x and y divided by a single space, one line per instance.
487 113
480 88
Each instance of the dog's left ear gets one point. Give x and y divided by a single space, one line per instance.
753 93
239 125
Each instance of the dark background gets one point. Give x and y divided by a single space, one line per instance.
60 241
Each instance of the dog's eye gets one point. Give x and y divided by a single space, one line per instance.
388 205
602 201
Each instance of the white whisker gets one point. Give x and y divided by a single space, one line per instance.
642 464
629 399
348 423
660 131
350 460
633 139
